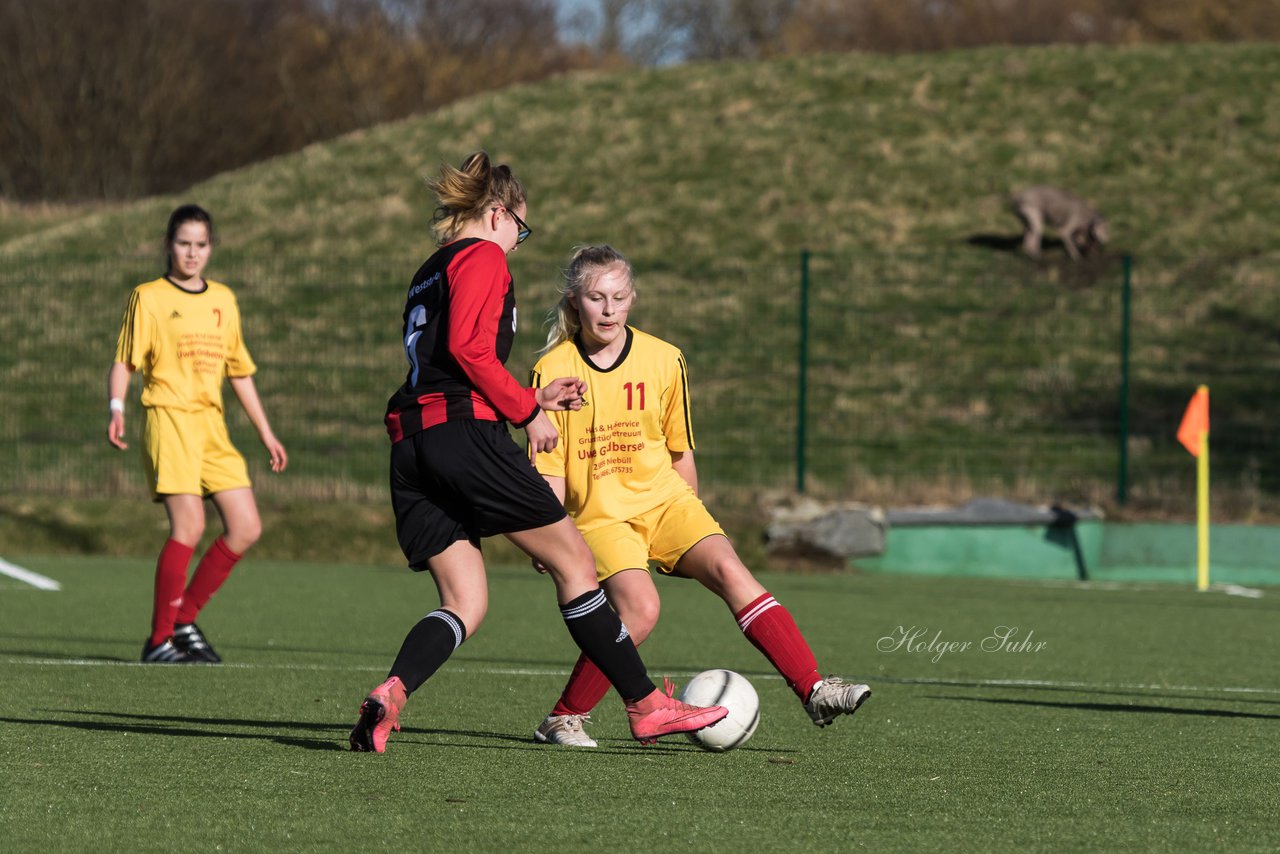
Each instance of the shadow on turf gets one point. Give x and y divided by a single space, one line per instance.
549 662
330 653
171 725
186 731
1113 707
115 641
44 654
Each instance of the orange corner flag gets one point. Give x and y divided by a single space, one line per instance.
1195 421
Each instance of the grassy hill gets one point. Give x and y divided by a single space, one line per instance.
713 178
748 160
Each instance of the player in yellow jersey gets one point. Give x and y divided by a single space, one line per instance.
183 332
624 469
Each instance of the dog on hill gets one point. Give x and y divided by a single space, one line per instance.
1080 226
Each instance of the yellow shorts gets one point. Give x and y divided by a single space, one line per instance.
663 535
190 453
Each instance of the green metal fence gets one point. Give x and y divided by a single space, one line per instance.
970 373
890 377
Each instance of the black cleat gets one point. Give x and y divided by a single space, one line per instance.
165 653
188 639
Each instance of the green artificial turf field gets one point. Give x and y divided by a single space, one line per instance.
1146 719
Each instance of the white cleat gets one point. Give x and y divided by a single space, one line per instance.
564 729
833 697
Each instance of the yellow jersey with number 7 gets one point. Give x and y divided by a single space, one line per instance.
185 343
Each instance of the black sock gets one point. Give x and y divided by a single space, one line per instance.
599 633
427 646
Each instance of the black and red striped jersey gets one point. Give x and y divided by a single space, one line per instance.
459 323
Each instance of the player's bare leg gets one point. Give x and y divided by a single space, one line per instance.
560 548
463 583
714 563
186 518
240 519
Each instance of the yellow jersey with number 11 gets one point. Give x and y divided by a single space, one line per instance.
615 452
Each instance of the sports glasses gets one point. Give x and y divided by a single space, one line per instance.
523 230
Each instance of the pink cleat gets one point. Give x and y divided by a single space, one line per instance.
379 715
661 714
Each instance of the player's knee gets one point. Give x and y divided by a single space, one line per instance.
241 537
640 618
471 615
584 560
187 531
563 574
726 574
574 570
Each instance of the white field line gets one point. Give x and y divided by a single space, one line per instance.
562 673
1138 586
1082 686
35 579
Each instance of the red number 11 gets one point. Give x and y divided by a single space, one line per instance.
639 390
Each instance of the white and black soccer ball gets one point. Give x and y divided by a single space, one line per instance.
735 693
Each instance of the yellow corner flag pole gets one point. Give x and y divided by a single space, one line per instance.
1193 433
1202 514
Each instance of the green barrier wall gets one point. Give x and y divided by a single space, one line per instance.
1094 551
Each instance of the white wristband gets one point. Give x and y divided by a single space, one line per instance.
116 405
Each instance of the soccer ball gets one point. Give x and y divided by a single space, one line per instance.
734 692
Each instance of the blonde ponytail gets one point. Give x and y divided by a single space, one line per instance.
464 194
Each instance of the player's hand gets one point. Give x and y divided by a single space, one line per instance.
115 431
543 435
564 393
539 566
279 456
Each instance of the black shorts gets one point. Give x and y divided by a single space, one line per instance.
463 480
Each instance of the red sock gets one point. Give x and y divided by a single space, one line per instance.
212 570
771 629
586 687
171 575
